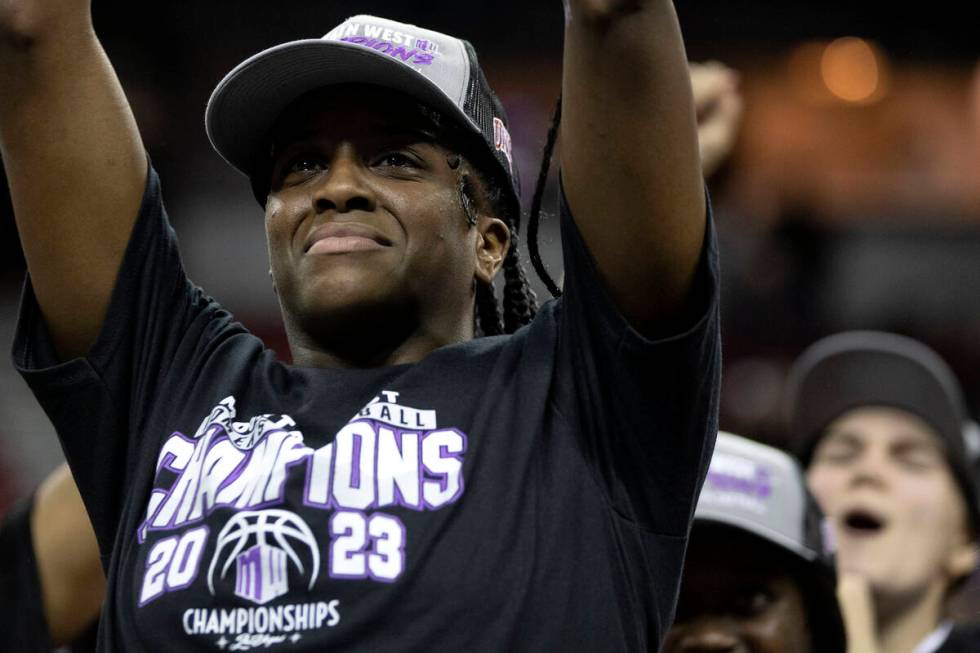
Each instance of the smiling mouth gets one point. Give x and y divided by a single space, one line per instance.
343 238
345 244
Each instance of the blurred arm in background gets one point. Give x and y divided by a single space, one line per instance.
67 555
719 107
51 579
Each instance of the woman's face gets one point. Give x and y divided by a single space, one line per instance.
882 479
737 596
366 228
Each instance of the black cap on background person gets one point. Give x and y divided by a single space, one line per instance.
758 576
869 368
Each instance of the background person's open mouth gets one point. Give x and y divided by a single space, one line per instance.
862 522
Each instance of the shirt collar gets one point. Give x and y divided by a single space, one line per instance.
935 639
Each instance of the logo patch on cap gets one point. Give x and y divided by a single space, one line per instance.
397 44
737 481
501 141
412 56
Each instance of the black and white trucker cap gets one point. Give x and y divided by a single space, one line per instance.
439 70
760 490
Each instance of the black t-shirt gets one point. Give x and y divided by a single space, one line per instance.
23 626
530 492
963 638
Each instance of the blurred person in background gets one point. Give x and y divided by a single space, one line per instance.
719 106
51 579
879 422
382 305
757 577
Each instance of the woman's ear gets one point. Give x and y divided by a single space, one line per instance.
962 560
493 241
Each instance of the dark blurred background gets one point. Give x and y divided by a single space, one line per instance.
852 199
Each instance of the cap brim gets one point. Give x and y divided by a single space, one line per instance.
868 368
246 103
723 518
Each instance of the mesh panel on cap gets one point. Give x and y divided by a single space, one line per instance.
482 105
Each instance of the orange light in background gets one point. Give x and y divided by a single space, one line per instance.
854 70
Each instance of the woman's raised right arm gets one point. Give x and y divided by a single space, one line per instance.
74 161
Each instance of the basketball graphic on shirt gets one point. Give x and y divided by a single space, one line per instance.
261 546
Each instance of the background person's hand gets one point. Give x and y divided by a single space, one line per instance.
857 608
719 111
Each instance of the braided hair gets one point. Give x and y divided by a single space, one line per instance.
519 301
535 218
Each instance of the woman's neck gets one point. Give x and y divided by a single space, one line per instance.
904 626
366 348
408 351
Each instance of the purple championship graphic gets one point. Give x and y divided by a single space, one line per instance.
396 44
261 574
389 455
262 570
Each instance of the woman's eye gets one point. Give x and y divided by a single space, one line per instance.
830 455
838 455
395 160
836 452
754 600
305 164
299 169
918 459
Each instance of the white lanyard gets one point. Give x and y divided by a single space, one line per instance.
935 639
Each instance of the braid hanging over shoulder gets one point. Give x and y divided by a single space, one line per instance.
519 301
487 316
535 218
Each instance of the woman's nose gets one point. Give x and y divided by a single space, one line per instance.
343 186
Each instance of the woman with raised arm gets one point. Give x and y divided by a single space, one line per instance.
402 484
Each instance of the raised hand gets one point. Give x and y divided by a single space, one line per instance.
857 608
719 109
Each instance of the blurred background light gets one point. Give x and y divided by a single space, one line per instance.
854 70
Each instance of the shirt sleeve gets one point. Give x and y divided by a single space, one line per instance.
22 619
645 411
156 326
